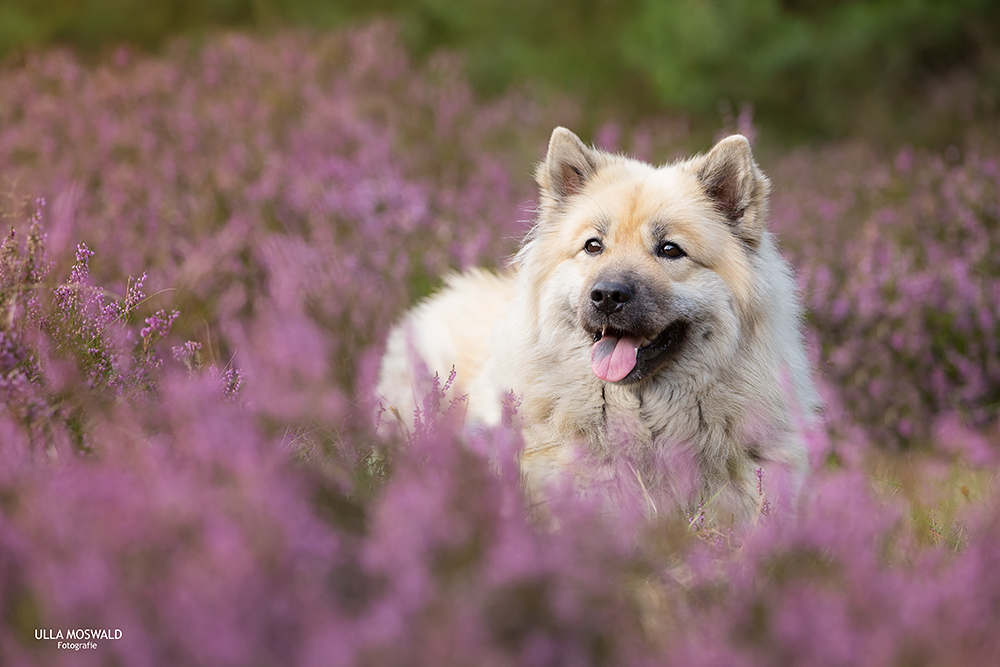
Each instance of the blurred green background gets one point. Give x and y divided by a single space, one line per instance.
892 71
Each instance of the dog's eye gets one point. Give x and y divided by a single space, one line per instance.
593 247
670 250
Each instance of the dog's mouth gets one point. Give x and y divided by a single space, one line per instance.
621 356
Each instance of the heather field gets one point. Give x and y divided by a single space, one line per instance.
203 252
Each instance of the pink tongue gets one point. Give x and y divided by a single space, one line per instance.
613 357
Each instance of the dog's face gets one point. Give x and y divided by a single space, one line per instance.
652 267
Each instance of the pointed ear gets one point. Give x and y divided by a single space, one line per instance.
567 167
736 184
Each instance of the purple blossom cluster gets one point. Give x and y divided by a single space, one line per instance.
898 266
85 319
231 504
66 348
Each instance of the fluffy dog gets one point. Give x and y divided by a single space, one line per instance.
647 317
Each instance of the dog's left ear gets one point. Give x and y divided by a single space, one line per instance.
737 186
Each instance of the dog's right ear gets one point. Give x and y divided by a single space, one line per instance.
737 186
567 167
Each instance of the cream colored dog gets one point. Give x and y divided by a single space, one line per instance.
647 314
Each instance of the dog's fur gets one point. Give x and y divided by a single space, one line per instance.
726 386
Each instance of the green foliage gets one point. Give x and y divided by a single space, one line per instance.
92 24
824 66
575 44
810 68
886 67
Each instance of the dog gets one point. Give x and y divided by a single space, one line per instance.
647 317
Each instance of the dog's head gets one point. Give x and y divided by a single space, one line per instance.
650 265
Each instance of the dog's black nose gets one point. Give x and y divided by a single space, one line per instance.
609 297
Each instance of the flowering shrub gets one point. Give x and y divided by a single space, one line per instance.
901 282
198 468
73 346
